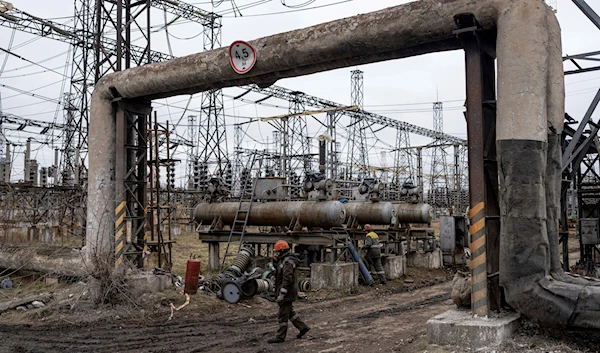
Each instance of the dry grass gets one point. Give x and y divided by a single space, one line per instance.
189 246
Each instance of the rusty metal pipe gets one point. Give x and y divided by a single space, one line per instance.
278 213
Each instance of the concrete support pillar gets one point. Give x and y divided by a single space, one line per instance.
213 256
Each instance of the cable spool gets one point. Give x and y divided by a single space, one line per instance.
232 293
262 285
241 261
304 286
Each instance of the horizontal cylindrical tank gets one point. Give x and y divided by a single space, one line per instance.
413 212
370 212
322 214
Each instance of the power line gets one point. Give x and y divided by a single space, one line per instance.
29 61
28 93
12 37
296 10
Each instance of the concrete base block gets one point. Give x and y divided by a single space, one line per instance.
333 276
456 327
432 259
394 266
149 283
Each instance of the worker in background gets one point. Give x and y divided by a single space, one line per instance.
373 255
286 290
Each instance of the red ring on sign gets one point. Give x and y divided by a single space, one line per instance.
231 57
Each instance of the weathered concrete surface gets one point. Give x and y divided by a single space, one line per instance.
45 259
433 259
456 327
394 266
333 276
148 283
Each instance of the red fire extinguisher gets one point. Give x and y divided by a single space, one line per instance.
192 272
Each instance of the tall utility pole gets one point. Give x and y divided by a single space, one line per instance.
357 158
438 182
212 139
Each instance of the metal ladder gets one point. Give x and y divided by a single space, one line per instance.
242 213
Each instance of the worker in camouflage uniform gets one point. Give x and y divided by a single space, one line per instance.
373 255
286 291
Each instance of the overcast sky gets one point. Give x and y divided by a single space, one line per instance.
401 89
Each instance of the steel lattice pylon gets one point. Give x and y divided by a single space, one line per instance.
357 158
297 151
83 78
403 167
212 138
439 187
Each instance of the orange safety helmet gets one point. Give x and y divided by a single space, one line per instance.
281 245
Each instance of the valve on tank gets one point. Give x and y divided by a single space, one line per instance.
318 181
371 187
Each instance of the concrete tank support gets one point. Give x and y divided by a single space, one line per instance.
530 104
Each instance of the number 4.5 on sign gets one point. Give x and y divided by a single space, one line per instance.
242 56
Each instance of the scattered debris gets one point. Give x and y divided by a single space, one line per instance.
44 298
6 283
173 308
37 304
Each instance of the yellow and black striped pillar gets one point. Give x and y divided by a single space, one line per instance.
477 143
120 235
479 297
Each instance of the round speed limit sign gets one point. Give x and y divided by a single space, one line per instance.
242 56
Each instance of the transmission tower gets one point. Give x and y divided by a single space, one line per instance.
212 138
357 158
237 158
297 153
438 195
83 78
403 170
69 162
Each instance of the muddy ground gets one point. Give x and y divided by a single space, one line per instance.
387 318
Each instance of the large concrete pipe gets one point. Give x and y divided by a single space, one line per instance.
530 113
413 212
370 212
324 214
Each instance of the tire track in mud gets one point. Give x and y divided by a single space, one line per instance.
215 333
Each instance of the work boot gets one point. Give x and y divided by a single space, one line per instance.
303 332
276 340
